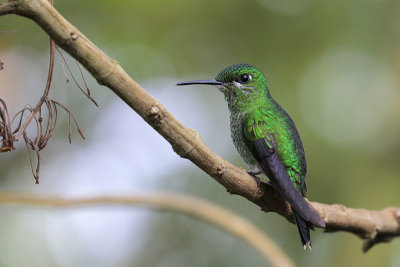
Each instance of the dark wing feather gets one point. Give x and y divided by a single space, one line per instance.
269 161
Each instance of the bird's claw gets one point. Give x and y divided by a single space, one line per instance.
253 174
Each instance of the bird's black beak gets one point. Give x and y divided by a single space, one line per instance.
209 82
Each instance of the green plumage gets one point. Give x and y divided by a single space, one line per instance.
255 115
267 139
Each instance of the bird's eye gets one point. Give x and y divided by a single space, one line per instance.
244 78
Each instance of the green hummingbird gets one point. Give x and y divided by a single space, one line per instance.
267 139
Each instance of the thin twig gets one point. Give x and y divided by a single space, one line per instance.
39 114
7 138
83 77
69 120
45 93
63 67
86 93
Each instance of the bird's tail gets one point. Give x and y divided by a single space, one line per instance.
304 230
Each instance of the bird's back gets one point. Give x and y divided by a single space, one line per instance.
288 143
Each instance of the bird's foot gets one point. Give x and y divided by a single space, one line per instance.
253 174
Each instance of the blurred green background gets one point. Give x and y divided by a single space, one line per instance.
333 65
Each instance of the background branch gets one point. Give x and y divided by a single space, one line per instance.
187 205
372 226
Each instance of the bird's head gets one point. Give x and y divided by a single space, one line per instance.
240 84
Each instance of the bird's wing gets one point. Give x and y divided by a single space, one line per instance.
261 143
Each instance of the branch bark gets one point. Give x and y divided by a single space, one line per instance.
7 8
372 226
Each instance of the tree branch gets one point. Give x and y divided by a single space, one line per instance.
372 226
187 205
7 8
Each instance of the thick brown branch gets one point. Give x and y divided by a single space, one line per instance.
7 8
372 226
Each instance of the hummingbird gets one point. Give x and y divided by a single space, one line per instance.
267 140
